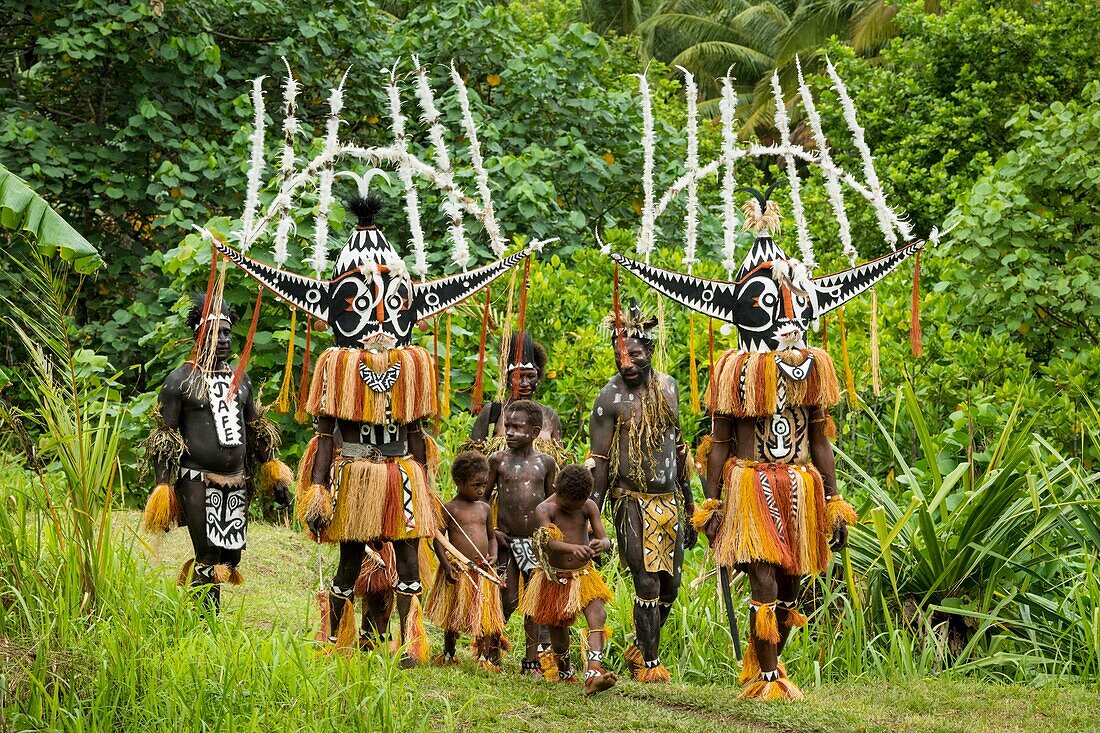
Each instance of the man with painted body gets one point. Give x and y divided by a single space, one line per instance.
639 459
210 450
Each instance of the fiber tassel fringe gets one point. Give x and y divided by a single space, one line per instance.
200 337
659 673
273 472
445 400
849 377
876 376
693 370
323 608
702 456
764 691
235 577
300 415
416 635
374 579
282 403
766 625
795 618
185 572
750 666
315 503
632 655
162 510
433 454
839 511
477 398
703 513
246 353
549 664
346 633
221 573
916 335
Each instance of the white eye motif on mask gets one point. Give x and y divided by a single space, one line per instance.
759 301
354 305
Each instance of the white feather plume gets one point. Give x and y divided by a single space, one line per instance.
405 173
319 259
728 109
284 200
832 183
255 165
646 235
452 206
489 221
782 123
877 197
691 213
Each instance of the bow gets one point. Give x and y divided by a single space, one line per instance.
488 574
492 577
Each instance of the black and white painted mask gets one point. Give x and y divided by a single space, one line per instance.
370 300
772 300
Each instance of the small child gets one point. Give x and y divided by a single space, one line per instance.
522 478
463 602
570 534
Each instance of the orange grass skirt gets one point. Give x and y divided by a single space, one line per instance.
745 383
775 513
338 389
555 600
373 498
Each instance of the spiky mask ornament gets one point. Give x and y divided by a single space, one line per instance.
631 323
772 299
370 300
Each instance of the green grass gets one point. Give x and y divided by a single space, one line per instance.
153 663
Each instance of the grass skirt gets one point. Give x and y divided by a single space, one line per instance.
390 499
470 606
775 513
745 383
555 599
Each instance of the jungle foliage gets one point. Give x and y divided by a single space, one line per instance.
973 464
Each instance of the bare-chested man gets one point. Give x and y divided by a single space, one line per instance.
462 601
640 459
522 478
209 451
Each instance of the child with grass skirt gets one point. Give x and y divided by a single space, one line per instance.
570 534
462 601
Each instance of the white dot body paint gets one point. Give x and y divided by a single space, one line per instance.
599 411
618 398
631 397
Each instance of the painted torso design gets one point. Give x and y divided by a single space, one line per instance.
783 437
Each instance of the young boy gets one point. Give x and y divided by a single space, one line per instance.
463 602
522 477
570 534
